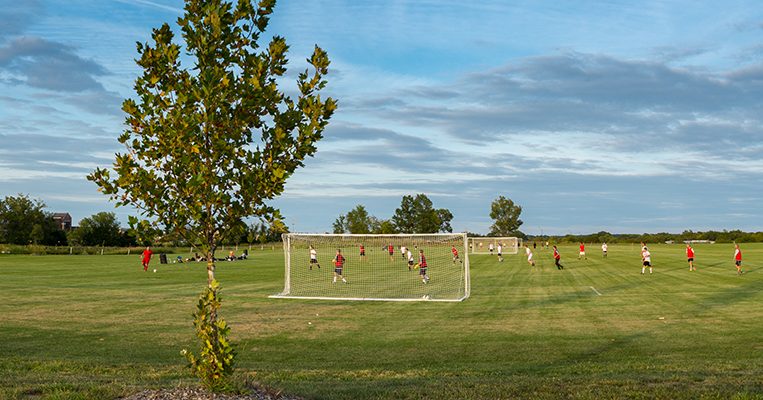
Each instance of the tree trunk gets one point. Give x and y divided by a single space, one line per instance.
210 267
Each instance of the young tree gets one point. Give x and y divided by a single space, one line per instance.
506 216
209 145
417 215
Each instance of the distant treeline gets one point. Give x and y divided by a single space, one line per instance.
662 237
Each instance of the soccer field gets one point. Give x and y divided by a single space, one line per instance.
92 327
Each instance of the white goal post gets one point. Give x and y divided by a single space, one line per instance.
481 245
377 275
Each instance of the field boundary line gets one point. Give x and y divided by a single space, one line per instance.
594 289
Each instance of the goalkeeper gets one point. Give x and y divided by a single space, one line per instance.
339 265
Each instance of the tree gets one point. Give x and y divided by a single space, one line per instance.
506 216
340 224
417 215
101 229
23 220
210 145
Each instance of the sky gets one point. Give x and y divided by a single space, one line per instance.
618 116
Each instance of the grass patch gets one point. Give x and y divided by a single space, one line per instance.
94 327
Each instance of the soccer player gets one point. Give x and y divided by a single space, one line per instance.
339 265
557 257
403 251
313 258
646 259
529 256
391 250
490 248
455 254
738 259
500 252
582 251
690 257
410 260
147 257
423 267
604 248
362 253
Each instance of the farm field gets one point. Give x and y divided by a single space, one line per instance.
94 327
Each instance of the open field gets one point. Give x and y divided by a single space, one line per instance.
92 327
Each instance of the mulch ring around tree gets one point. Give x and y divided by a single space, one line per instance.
191 393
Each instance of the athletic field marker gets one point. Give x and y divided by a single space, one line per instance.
594 289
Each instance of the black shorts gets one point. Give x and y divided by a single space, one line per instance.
423 271
499 254
647 264
690 259
338 271
313 261
391 253
363 253
410 262
738 263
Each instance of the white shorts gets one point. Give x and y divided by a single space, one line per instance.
582 253
530 257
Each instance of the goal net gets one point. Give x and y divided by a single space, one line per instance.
482 245
377 275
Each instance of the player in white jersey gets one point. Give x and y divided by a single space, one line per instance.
500 251
410 260
490 248
313 258
403 251
529 256
604 248
646 258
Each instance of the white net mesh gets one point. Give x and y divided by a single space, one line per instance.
377 275
483 245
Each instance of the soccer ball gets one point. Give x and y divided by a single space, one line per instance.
154 269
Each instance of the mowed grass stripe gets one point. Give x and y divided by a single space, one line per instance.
85 326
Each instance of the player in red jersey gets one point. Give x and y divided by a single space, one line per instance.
391 250
738 259
362 252
423 267
690 257
582 251
557 257
147 257
455 254
339 261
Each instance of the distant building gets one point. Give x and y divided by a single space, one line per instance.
63 220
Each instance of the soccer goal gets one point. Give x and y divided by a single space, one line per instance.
481 245
377 275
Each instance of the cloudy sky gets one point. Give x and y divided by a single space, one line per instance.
609 115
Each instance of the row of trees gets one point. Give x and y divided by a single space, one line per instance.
415 215
418 215
23 220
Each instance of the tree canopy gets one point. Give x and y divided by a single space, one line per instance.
506 216
417 215
23 220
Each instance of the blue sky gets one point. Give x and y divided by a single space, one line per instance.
602 115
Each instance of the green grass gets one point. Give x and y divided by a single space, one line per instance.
93 327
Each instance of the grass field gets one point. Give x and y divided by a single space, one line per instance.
93 327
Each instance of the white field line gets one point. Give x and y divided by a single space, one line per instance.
594 289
